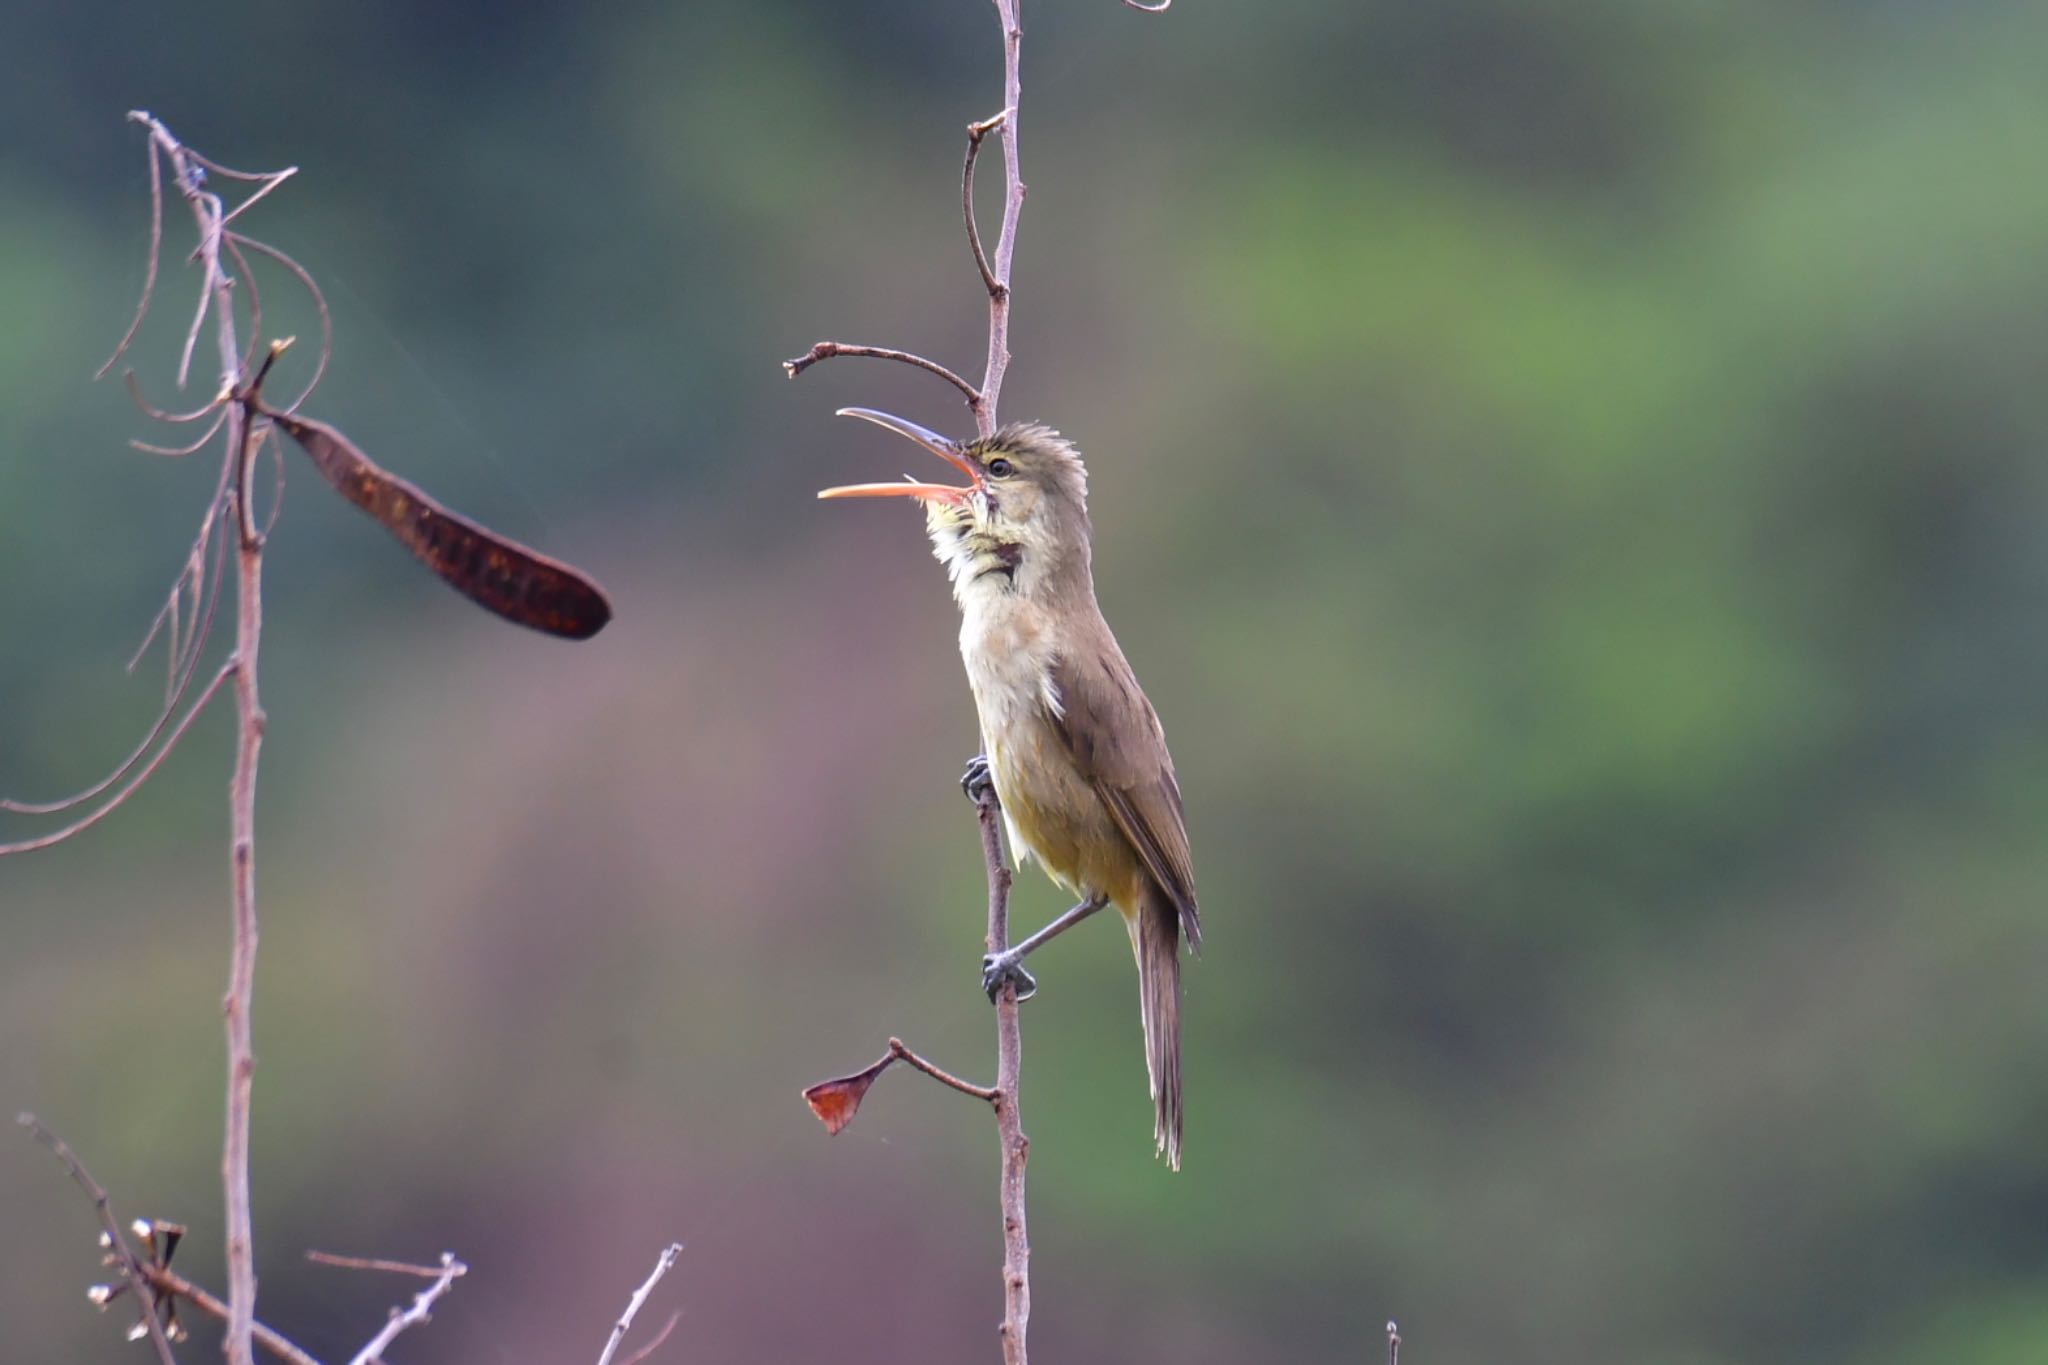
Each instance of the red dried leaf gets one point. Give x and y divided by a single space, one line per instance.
835 1102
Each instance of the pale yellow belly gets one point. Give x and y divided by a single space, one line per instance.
1055 816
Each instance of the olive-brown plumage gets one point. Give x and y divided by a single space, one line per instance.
1076 752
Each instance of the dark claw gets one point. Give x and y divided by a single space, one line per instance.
976 780
996 968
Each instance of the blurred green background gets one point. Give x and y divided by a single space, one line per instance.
1568 476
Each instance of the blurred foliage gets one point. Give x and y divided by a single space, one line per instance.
1569 477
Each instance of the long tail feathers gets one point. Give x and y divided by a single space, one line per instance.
1156 939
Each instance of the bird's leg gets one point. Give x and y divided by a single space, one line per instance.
976 780
1008 965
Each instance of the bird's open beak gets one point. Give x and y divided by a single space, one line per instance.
949 451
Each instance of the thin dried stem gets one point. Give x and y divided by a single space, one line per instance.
115 802
901 1053
825 350
662 1265
247 279
425 1272
168 1281
1006 239
270 182
1393 1328
312 288
189 448
156 243
182 680
420 1311
157 414
1016 1147
212 284
133 1270
230 172
975 133
209 217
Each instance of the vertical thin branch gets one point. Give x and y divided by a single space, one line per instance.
1006 239
209 216
242 868
1016 1147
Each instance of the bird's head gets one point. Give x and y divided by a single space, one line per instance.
1020 520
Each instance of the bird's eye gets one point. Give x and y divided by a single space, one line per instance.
1000 468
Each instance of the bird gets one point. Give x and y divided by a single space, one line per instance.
1073 747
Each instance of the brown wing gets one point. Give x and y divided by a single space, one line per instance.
1116 740
495 573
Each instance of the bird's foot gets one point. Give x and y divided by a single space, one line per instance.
997 968
976 780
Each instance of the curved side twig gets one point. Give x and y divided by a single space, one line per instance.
975 133
306 281
184 664
157 414
247 279
826 350
156 244
77 827
192 447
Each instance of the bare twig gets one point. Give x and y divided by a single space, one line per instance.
313 292
156 242
157 414
825 350
1393 1328
169 1282
662 1265
111 1236
183 667
1016 1147
420 1311
981 1092
975 133
114 802
209 218
189 448
1006 239
425 1272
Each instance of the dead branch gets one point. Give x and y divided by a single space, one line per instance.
169 1282
112 1238
662 1265
975 133
825 350
425 1272
420 1311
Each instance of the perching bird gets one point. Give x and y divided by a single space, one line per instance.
1075 750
